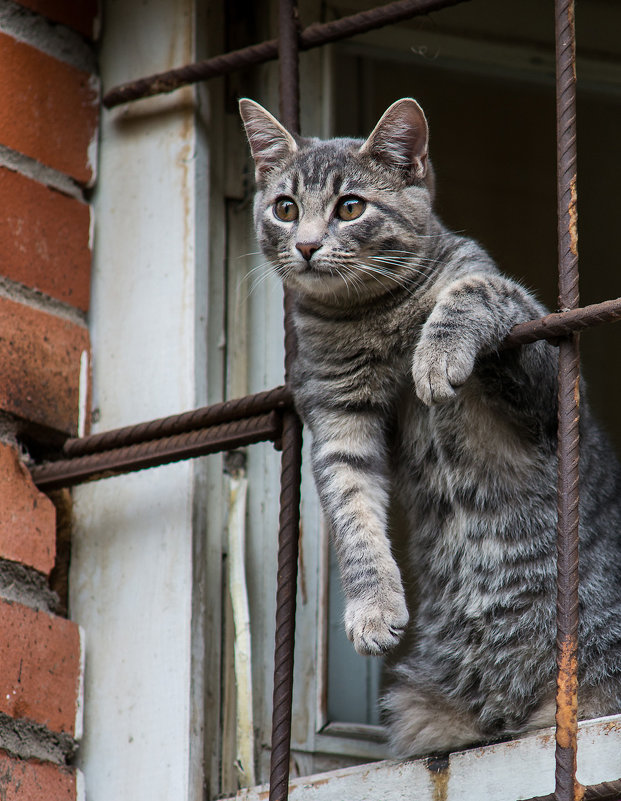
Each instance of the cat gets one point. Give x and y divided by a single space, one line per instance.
401 377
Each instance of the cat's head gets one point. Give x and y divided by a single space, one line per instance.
343 219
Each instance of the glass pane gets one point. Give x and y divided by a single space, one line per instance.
353 680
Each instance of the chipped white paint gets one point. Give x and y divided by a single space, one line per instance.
522 768
79 708
93 146
83 410
80 786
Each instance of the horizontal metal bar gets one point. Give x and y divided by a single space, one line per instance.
313 36
606 791
226 412
559 324
114 462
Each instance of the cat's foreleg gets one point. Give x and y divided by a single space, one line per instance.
349 464
471 317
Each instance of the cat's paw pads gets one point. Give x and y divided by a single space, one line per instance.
438 372
374 628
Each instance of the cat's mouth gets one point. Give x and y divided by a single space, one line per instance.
314 267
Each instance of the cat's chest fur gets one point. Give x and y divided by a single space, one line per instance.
354 358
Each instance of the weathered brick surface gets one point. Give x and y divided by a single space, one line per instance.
44 239
40 357
78 14
40 667
29 780
27 516
49 109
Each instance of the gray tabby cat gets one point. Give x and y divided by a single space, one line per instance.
401 379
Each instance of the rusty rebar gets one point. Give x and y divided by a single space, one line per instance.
561 324
285 606
226 412
152 453
291 463
606 791
313 36
567 787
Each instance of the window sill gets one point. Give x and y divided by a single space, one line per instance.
520 768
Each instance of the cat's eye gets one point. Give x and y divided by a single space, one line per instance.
286 209
349 208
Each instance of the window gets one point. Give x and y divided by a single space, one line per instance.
454 62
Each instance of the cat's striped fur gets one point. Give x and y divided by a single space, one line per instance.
401 380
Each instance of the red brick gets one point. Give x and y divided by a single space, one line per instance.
27 516
49 109
30 780
40 675
78 14
44 239
40 357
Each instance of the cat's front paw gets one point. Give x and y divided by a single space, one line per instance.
376 628
438 370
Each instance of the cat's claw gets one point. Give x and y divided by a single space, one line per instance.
375 629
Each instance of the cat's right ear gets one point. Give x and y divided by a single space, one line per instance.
270 142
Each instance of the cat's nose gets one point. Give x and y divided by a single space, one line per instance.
307 248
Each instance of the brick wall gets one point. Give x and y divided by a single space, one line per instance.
48 134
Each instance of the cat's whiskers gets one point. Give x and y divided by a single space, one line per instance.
403 264
349 284
374 271
404 255
406 269
250 253
257 281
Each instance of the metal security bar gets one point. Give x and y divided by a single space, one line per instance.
270 415
567 786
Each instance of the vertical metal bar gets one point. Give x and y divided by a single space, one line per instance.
285 606
567 788
290 465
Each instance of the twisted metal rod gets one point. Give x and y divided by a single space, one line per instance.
560 324
606 791
567 787
226 412
155 452
289 523
313 36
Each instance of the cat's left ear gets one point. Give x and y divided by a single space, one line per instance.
270 142
401 137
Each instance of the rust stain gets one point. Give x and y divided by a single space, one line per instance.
567 695
439 769
573 216
579 790
577 393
